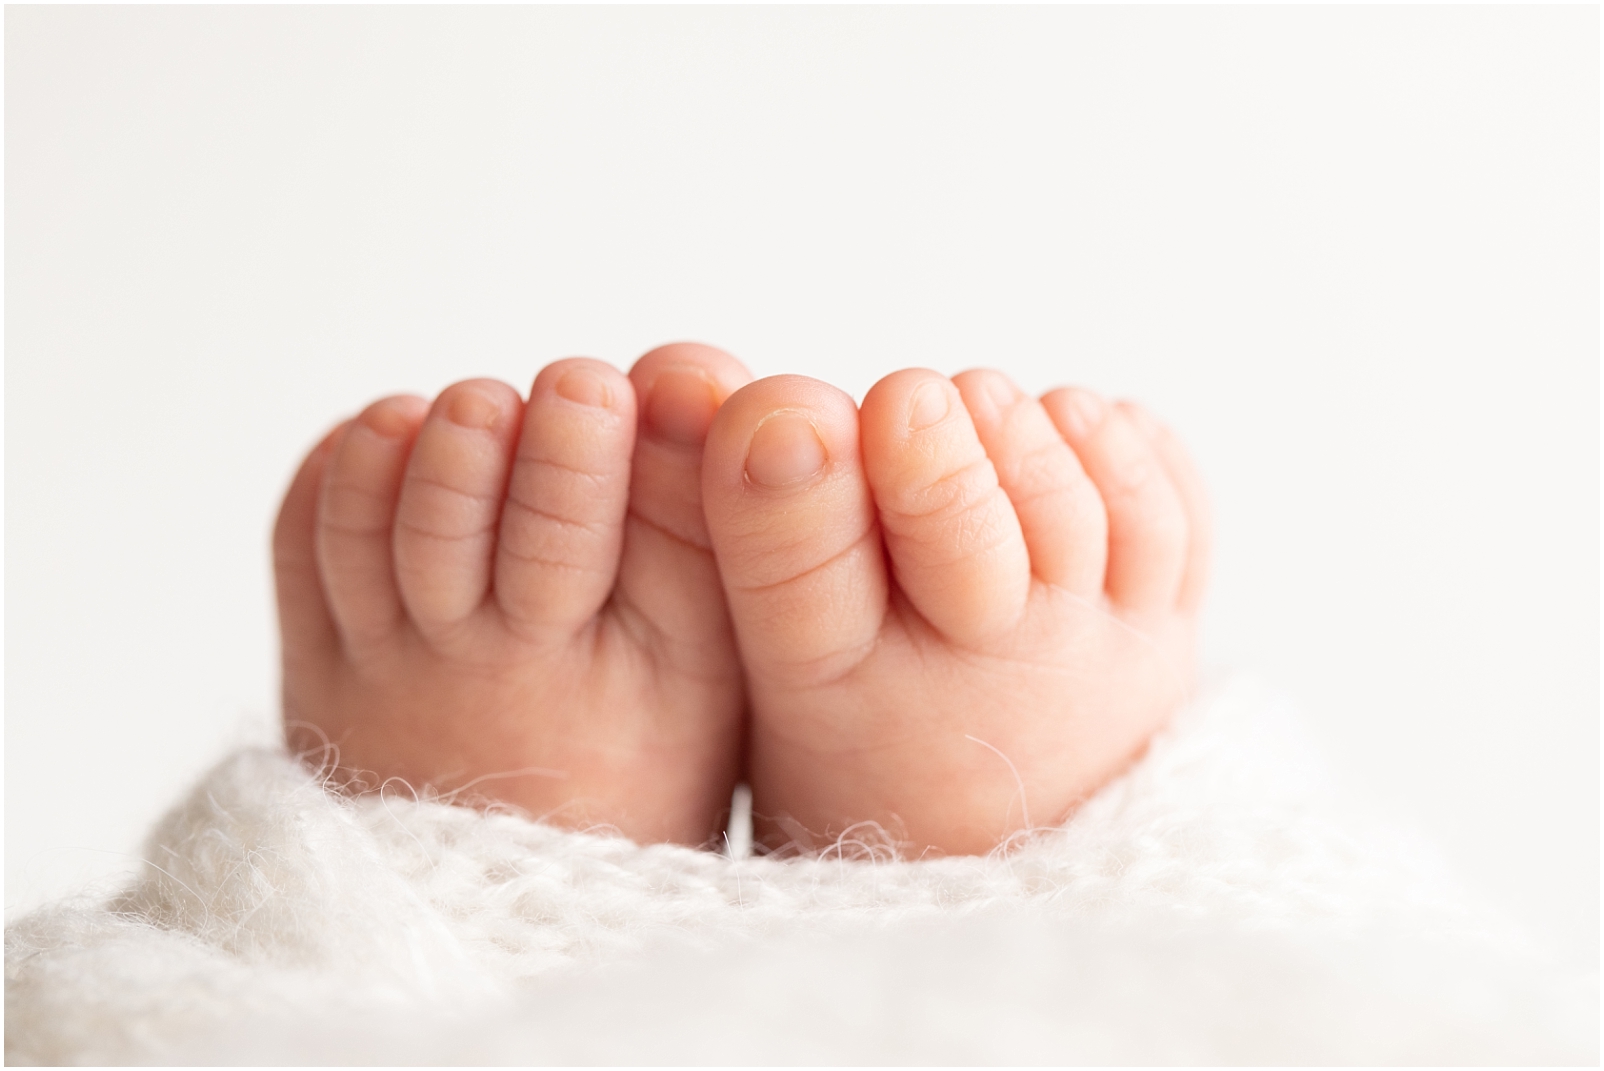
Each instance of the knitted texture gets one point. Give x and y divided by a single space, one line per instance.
1219 903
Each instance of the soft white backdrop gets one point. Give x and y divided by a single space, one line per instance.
1351 254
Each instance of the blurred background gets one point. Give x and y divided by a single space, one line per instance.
1351 254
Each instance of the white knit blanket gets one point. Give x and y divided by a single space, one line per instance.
1219 903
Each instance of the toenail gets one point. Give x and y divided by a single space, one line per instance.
386 420
585 387
470 409
931 402
1140 417
1000 391
681 407
1085 412
785 450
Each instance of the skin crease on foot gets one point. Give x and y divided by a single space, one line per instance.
517 601
961 609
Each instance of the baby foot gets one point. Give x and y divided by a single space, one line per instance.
519 600
961 610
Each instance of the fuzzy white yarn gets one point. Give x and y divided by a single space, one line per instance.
1219 903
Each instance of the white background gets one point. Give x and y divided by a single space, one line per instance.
1351 254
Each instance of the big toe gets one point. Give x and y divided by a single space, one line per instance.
680 388
793 525
667 576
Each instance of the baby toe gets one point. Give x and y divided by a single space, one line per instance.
954 540
356 516
562 525
1060 512
1189 485
1147 525
305 624
450 503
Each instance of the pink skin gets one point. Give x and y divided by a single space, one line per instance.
518 601
961 611
954 614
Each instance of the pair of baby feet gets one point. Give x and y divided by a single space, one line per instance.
954 612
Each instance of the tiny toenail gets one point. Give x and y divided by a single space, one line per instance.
931 402
386 420
1140 417
681 407
1001 392
1085 411
585 387
785 450
470 409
